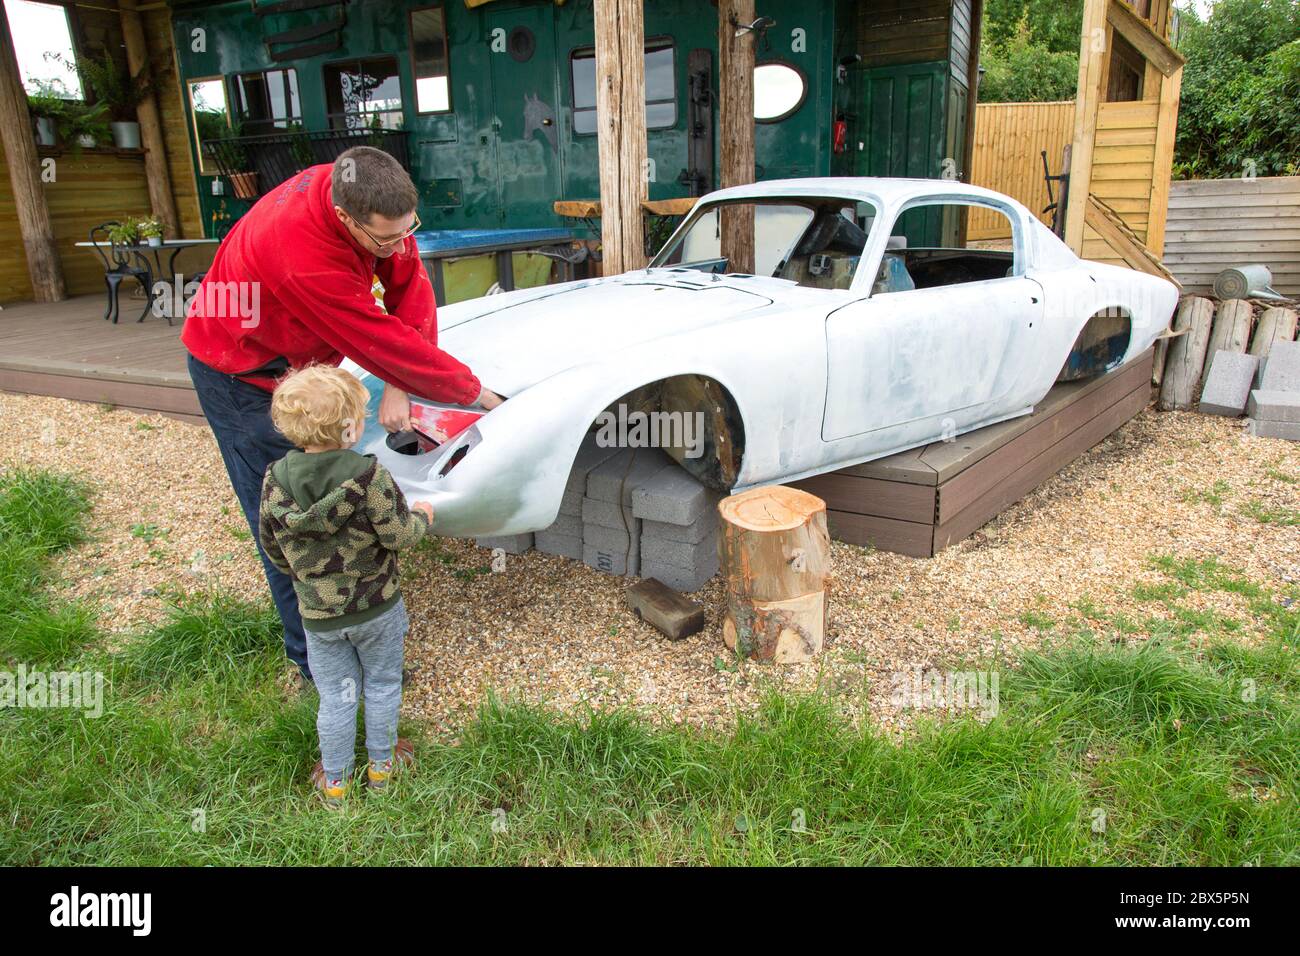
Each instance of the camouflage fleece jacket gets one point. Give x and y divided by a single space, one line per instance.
333 521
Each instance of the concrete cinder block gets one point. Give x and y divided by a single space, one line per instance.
1281 370
607 514
1227 386
672 496
660 551
571 503
681 579
613 539
567 524
566 546
611 562
627 470
1266 429
705 524
1274 406
590 455
512 543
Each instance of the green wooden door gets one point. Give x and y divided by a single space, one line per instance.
901 112
525 113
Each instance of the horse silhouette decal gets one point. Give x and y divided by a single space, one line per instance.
539 116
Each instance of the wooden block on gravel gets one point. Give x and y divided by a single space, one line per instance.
663 608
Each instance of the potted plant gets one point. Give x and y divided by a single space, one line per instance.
46 107
82 126
125 233
151 231
116 90
299 145
243 178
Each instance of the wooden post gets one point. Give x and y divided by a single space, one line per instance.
736 127
1275 325
158 176
621 137
43 263
1094 54
774 550
1187 354
1229 333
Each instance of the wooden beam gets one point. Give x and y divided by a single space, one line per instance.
972 100
157 175
1138 32
43 263
1162 167
1092 67
621 137
736 127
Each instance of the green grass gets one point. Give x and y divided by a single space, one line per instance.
1186 754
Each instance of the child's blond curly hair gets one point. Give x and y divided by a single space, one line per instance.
320 405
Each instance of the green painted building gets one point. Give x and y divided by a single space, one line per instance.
492 107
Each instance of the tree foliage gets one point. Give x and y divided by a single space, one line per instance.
1240 108
1030 50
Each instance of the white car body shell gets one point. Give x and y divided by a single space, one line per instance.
822 378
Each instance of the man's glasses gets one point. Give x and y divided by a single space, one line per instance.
390 241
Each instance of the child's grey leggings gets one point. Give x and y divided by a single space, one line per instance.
351 663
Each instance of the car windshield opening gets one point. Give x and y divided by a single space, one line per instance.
812 241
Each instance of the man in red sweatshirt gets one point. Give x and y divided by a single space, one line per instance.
291 285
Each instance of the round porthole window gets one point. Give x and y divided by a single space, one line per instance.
779 90
521 44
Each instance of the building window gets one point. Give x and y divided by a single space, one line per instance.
429 60
363 94
43 43
209 114
266 101
1127 66
660 86
779 90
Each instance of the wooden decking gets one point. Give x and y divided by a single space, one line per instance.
921 501
67 350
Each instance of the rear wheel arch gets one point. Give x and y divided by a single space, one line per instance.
1101 344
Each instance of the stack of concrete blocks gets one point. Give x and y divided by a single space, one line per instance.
564 536
631 512
679 529
1274 407
611 533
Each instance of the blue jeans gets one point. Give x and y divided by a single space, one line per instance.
239 415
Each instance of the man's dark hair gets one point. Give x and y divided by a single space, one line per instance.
367 181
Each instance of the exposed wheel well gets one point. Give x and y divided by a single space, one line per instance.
1101 345
698 425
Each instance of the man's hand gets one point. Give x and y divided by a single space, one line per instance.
489 399
425 507
395 410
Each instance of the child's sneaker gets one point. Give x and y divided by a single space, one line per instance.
332 792
379 774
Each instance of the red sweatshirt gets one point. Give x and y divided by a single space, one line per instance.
312 300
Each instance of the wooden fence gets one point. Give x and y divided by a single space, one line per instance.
1009 138
1217 223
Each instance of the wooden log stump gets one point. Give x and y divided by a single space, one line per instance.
774 550
1275 325
1187 354
1229 333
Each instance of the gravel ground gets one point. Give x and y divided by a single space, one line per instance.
549 629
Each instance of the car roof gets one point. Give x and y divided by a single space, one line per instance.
886 190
